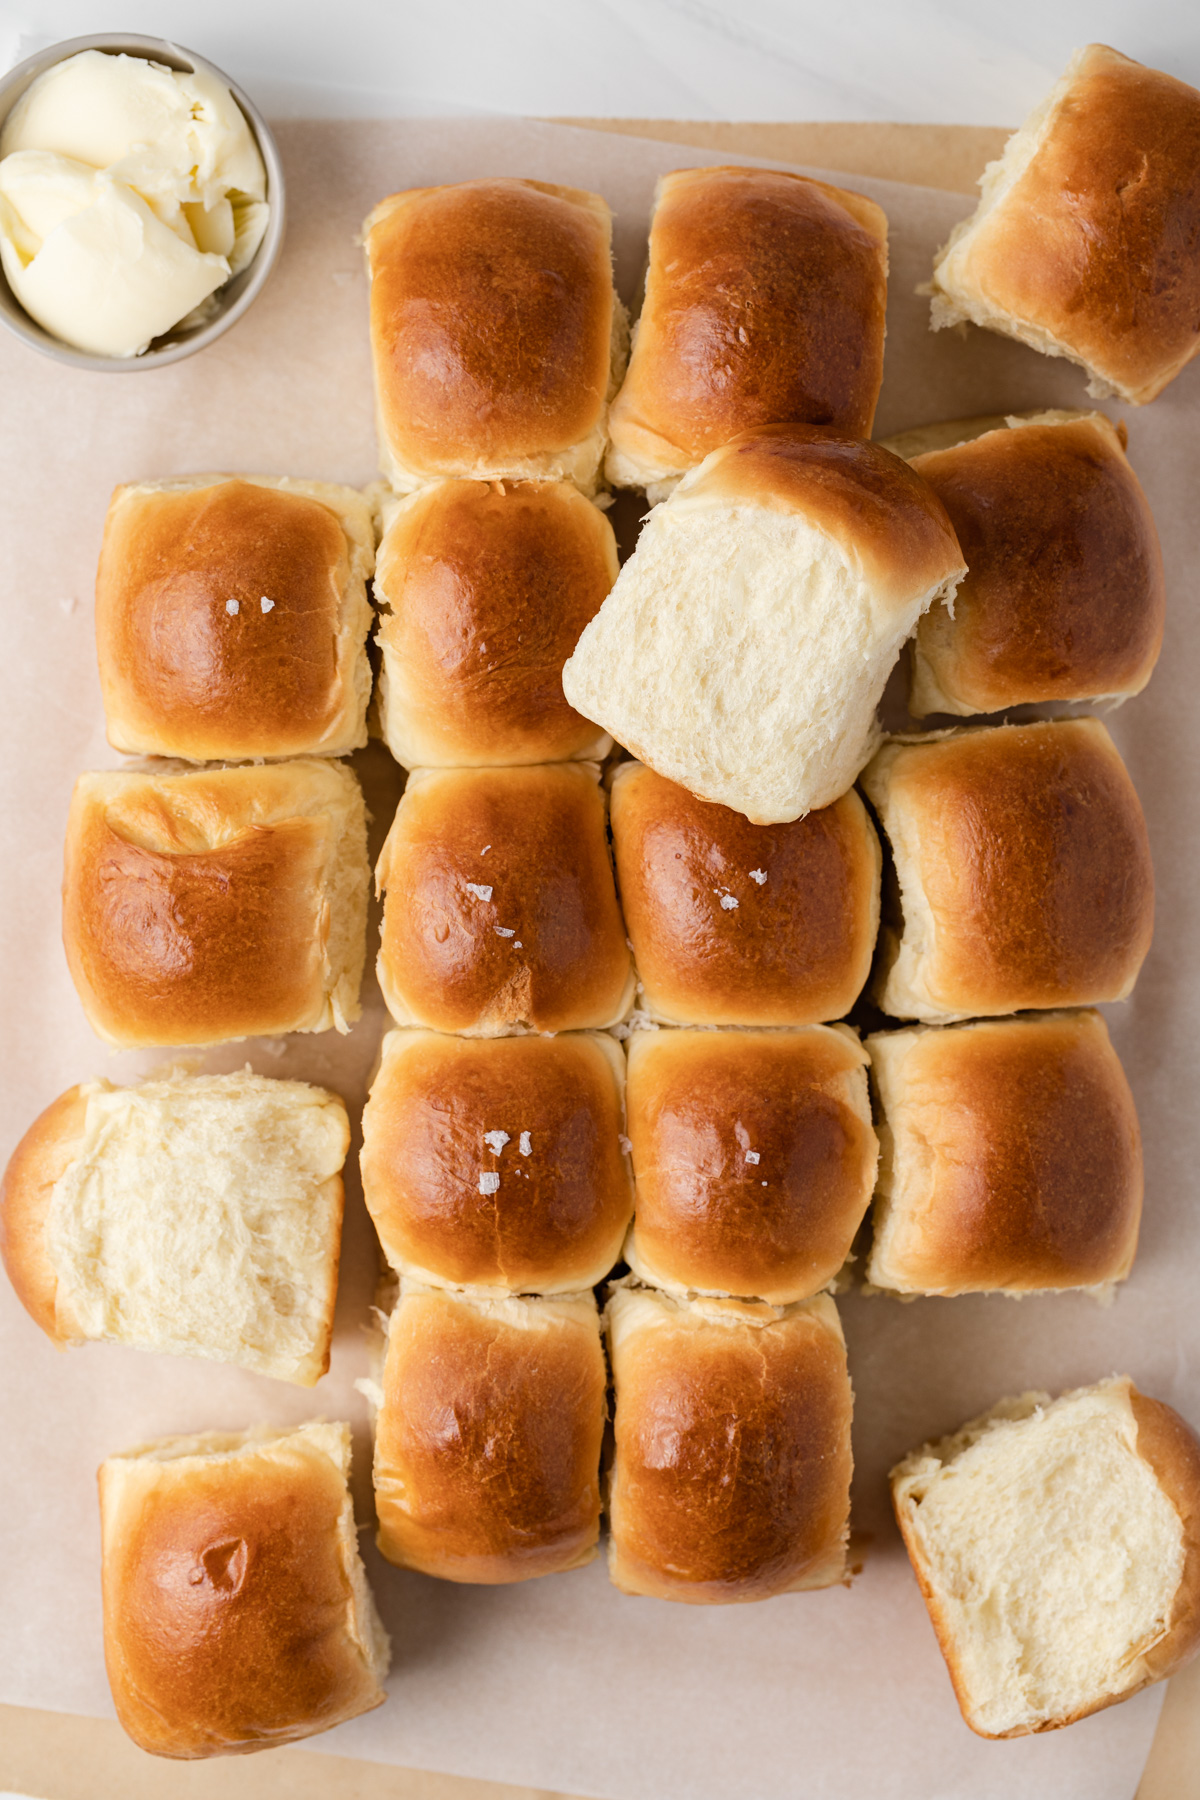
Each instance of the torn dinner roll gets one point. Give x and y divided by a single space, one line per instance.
1023 870
1011 1157
764 305
237 1615
1057 1544
1083 244
749 638
198 1215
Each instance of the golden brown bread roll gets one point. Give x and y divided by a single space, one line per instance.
500 909
1064 596
496 1163
483 590
232 618
222 903
1057 1544
487 1436
765 300
1011 1157
740 924
497 337
236 1609
731 1476
197 1215
1084 242
754 1159
1024 871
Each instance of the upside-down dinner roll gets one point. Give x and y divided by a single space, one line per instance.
750 636
483 589
740 924
754 1159
1064 595
223 903
232 618
1011 1157
1057 1544
765 301
497 1163
237 1614
488 1433
1084 242
500 910
496 334
195 1214
1023 866
731 1476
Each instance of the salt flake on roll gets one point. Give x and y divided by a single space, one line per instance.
748 640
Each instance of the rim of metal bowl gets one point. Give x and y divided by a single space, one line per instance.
237 295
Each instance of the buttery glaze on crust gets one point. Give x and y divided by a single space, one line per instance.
1012 1157
795 949
754 1159
484 588
1027 846
43 1155
487 1443
1093 247
491 326
227 1603
731 1475
557 1218
202 907
500 908
765 302
182 674
1064 596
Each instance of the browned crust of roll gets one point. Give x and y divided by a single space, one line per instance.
487 1445
1064 595
765 303
483 589
701 1105
39 1161
557 1219
795 950
491 322
180 673
1014 1157
1170 1446
546 947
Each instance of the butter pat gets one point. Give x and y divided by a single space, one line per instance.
129 193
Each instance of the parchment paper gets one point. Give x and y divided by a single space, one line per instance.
560 1683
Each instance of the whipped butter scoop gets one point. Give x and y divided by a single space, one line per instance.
129 193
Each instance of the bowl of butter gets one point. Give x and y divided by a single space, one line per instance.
141 202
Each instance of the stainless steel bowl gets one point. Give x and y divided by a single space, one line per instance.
233 299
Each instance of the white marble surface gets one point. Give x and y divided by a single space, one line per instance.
962 62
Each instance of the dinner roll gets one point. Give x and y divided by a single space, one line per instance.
483 589
1012 1158
487 1436
497 337
749 637
731 1476
232 617
1057 1544
765 301
740 924
237 1614
500 911
497 1163
223 903
199 1215
1084 242
1064 596
754 1159
1023 868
